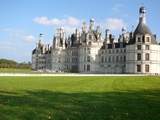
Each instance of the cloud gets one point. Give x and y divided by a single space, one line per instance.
115 23
70 21
29 38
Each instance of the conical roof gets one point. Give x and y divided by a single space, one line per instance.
142 29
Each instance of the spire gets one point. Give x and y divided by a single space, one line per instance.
91 26
107 33
40 39
142 15
84 27
123 30
98 29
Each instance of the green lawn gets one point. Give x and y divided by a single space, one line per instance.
15 70
80 98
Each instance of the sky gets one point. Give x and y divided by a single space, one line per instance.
21 21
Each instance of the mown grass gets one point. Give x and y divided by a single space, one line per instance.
80 98
15 70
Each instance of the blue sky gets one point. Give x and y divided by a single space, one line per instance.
21 21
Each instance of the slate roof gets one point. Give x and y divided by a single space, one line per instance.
142 29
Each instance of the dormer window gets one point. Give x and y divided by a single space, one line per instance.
147 39
139 39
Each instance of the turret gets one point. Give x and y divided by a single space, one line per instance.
59 38
142 30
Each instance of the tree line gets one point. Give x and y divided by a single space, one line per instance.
5 63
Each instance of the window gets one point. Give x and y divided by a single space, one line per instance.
138 68
124 58
117 51
109 59
84 67
121 58
67 67
138 47
147 68
102 59
138 56
89 50
112 58
147 47
117 58
88 59
105 59
147 56
88 67
147 39
84 58
139 39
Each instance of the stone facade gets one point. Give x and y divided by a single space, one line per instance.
86 51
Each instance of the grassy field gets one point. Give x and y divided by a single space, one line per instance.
15 70
80 98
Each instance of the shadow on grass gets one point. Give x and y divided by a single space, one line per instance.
44 105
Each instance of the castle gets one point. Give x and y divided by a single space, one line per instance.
86 51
